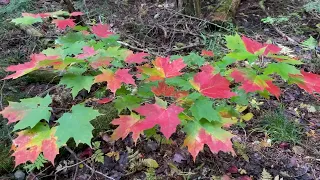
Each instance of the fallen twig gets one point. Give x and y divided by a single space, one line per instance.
93 170
261 3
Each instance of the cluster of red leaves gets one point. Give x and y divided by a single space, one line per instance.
166 118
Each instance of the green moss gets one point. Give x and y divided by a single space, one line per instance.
102 123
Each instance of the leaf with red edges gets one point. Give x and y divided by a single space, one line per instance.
166 118
126 124
102 30
87 52
22 69
115 79
30 143
207 133
163 68
252 82
254 46
137 58
214 86
308 81
207 53
28 112
64 23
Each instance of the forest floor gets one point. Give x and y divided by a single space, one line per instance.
282 142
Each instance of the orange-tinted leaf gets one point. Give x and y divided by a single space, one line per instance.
101 62
115 79
211 134
214 86
126 124
163 68
101 30
207 53
164 90
64 23
30 143
167 119
137 58
22 69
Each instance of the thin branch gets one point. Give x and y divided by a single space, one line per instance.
93 170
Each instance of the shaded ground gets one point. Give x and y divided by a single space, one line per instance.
164 32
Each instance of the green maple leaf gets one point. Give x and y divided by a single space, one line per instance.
194 59
181 81
282 69
235 43
70 38
242 55
202 108
74 48
127 101
28 112
76 125
53 52
310 43
77 83
26 20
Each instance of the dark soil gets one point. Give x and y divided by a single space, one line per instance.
164 32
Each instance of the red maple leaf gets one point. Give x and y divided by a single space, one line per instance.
126 124
164 90
154 114
101 30
207 53
115 79
137 58
76 14
163 68
255 83
214 86
22 69
254 46
64 23
308 81
87 52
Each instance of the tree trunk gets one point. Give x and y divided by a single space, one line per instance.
224 11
